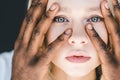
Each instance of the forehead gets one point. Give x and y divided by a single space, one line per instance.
75 4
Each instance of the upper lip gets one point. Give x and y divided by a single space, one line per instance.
78 53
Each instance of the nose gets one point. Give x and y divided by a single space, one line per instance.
78 38
77 41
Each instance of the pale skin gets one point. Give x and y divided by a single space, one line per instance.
29 62
76 15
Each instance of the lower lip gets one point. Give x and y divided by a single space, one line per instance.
78 59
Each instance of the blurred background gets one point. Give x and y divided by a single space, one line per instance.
12 13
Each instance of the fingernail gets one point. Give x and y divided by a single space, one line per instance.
69 31
89 26
53 7
106 5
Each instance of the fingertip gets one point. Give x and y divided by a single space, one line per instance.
106 5
52 11
68 31
106 8
65 35
54 6
89 27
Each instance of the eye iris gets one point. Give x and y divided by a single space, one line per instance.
95 19
60 19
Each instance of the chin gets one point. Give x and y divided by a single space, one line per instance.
77 73
74 74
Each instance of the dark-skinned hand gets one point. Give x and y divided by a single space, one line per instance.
109 55
30 60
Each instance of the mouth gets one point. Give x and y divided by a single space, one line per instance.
77 57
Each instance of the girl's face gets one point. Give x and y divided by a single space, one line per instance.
78 56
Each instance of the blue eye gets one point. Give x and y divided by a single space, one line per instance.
60 19
95 19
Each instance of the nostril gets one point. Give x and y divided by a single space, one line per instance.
72 42
83 42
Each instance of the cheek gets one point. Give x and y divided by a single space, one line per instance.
101 30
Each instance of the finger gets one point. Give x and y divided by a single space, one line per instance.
99 44
114 2
32 17
42 27
44 58
116 9
39 9
56 46
111 25
23 26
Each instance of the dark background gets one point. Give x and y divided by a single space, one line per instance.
11 15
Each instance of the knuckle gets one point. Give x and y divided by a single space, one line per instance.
36 3
29 18
61 38
95 35
50 48
103 46
47 15
116 6
34 61
36 31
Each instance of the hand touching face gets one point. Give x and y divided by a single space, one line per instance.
109 54
76 15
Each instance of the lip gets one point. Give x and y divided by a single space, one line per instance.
78 57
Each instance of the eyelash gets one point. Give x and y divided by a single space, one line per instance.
59 19
93 19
